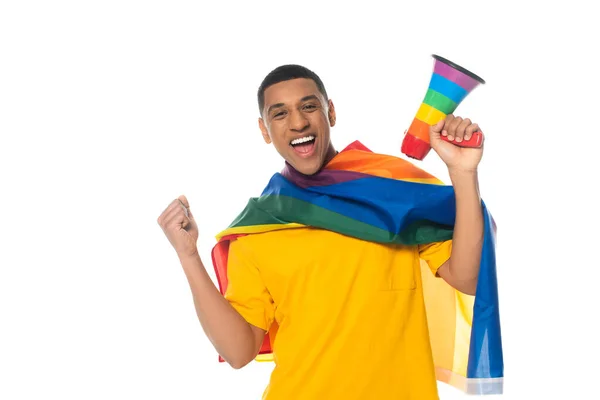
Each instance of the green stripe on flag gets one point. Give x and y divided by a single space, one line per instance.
276 209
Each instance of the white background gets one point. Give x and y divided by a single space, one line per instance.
110 110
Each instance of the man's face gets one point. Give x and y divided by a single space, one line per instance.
296 119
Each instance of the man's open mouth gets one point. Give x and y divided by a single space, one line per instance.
304 145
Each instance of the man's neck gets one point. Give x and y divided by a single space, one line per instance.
331 152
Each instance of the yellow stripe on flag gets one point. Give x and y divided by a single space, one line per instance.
257 229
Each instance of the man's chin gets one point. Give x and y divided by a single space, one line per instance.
307 166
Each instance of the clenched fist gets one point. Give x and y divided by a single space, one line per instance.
178 224
456 129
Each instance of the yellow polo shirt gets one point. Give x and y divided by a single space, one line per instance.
351 316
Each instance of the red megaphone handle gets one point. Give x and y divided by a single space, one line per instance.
475 141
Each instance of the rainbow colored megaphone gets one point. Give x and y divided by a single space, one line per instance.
449 85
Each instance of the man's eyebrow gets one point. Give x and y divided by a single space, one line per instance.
274 106
311 97
305 98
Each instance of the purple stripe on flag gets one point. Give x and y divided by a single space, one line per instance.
322 178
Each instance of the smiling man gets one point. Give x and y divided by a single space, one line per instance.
345 315
296 117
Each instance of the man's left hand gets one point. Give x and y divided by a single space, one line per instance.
455 157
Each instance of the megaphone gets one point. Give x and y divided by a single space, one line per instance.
449 85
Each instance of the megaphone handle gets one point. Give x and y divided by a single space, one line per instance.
475 141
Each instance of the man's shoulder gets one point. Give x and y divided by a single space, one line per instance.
271 236
297 237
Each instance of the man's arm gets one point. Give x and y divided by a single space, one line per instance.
237 341
462 269
233 337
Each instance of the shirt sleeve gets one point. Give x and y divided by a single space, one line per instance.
435 254
246 291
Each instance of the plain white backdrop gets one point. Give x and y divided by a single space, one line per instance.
110 110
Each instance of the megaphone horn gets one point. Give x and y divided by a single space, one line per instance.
449 85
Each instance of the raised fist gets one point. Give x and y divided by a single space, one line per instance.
178 224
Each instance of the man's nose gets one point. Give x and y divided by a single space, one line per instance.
299 122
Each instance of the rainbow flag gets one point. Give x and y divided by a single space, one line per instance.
386 199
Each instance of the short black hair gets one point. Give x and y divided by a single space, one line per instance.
285 73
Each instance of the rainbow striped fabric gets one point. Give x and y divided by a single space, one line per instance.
386 199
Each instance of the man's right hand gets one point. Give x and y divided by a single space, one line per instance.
237 341
178 224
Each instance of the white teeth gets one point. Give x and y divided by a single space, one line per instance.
302 140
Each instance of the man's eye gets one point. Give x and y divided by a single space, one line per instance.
279 114
310 106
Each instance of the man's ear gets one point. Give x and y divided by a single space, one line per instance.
331 113
264 131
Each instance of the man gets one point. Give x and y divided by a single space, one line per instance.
350 315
